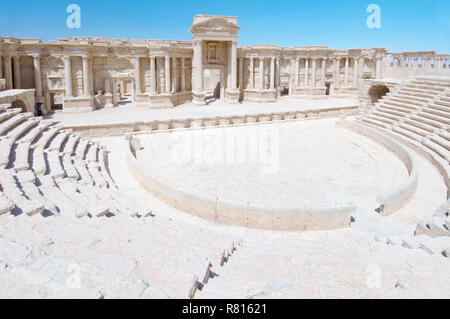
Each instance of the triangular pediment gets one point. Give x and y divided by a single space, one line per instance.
215 24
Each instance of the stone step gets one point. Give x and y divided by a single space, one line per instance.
396 107
425 87
428 121
444 134
81 149
55 167
441 151
5 151
431 84
38 161
380 118
425 127
439 108
69 168
408 100
437 112
408 134
375 123
99 181
64 203
69 147
414 129
5 115
388 110
91 155
94 208
434 117
86 177
47 135
443 103
418 92
57 141
4 107
387 115
6 205
34 133
12 190
21 162
13 122
403 106
27 183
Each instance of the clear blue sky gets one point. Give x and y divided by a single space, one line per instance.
406 24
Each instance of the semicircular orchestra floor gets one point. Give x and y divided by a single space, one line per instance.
295 164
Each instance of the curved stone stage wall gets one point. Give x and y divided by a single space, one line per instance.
233 213
397 197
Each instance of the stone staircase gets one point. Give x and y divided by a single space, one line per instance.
49 171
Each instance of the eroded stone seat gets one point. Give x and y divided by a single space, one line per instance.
14 193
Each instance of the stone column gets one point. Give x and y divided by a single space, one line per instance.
198 66
137 75
1 67
17 79
324 70
233 64
152 75
277 73
313 77
241 73
378 68
68 73
8 73
162 84
183 74
337 72
37 78
306 72
252 73
355 72
86 76
261 73
347 60
91 75
297 71
174 75
167 73
272 73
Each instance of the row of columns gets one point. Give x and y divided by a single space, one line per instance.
273 76
88 79
12 73
439 62
87 76
336 74
170 72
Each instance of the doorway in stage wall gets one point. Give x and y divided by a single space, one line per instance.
213 84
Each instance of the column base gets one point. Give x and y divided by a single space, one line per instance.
310 91
78 104
232 96
198 98
108 100
264 96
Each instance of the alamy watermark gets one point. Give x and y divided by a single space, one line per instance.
373 280
74 279
74 19
250 145
374 19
